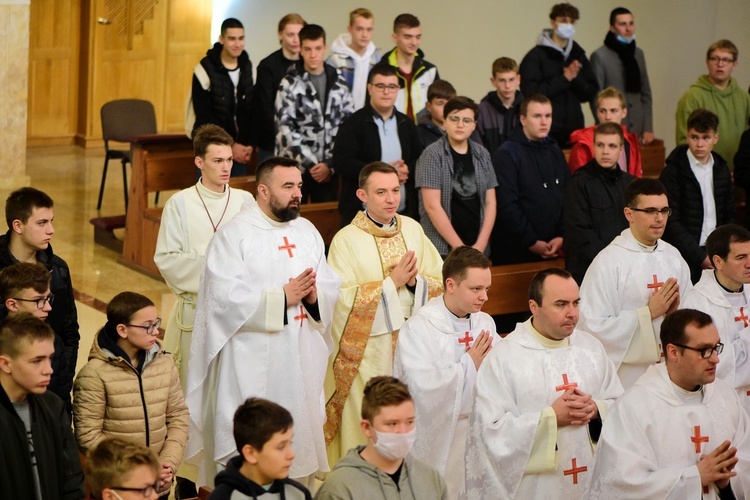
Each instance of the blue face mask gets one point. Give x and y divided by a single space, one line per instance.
624 40
565 31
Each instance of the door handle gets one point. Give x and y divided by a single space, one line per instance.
103 20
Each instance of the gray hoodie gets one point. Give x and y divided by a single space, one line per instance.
354 477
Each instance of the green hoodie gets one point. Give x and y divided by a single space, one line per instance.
355 478
731 105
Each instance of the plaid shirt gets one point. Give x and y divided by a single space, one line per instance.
435 171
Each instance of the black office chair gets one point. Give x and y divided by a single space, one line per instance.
122 120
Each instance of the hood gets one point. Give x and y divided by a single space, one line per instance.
679 155
494 100
340 46
709 288
232 477
437 314
705 84
656 381
627 241
214 54
253 215
105 348
390 58
582 135
545 40
519 137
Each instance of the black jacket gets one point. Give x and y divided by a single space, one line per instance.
495 122
542 73
231 479
218 105
684 225
271 71
59 467
742 169
428 131
593 213
63 318
357 144
531 177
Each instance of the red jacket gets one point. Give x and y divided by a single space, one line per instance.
583 150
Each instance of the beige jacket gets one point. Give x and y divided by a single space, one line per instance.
110 398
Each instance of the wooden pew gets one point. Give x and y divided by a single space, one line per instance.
325 217
653 158
510 286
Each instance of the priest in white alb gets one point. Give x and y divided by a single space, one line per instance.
680 432
439 351
541 397
721 294
389 269
262 325
634 282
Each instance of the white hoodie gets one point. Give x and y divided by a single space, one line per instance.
354 67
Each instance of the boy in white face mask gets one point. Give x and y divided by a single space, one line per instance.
384 469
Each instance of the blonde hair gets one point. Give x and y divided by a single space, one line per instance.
361 12
114 458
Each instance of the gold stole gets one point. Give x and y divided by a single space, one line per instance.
391 248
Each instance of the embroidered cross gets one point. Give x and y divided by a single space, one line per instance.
574 471
301 316
465 340
566 385
655 285
742 317
288 247
697 439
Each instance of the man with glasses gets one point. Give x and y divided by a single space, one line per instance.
377 132
679 432
634 282
29 214
118 469
718 92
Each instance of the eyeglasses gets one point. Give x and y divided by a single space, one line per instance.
49 299
717 60
146 492
382 87
666 212
456 119
706 352
150 328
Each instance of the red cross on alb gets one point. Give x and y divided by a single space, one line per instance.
697 439
742 317
301 316
574 471
655 285
465 340
288 247
565 386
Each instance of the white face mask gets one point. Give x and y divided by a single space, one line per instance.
565 31
394 446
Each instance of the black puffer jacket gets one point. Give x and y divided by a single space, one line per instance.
63 318
271 71
593 213
684 226
218 105
495 122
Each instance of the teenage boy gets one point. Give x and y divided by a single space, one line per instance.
24 287
121 469
263 431
430 121
311 103
415 74
700 191
594 202
222 88
499 109
29 215
38 457
354 54
610 107
271 71
384 468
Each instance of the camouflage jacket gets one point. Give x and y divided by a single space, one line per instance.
307 130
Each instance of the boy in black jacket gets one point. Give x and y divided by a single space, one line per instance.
263 432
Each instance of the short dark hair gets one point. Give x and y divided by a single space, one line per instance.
207 135
643 186
113 459
460 259
504 65
674 325
718 242
229 24
124 305
265 169
702 120
257 420
537 98
383 391
460 103
618 11
370 168
21 203
564 10
19 327
440 89
405 21
312 32
609 128
536 287
381 69
23 275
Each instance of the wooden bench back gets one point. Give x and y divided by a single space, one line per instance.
510 285
325 217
